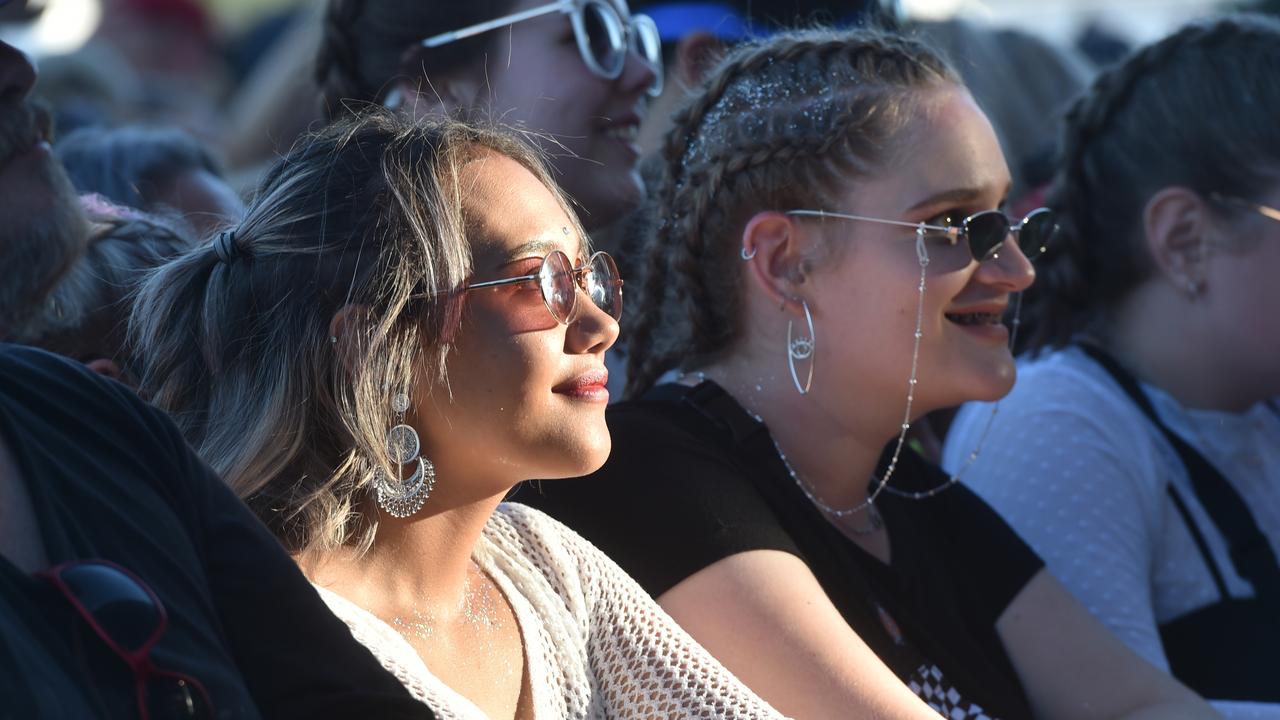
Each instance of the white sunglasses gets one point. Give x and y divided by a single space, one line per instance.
604 36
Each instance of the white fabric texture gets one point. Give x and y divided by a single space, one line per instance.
1080 473
596 645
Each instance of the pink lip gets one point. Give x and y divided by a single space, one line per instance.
590 386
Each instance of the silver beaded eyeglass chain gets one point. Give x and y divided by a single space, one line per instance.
882 484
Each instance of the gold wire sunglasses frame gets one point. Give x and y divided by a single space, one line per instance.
622 34
559 283
968 228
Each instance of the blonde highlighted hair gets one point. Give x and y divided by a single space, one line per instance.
364 215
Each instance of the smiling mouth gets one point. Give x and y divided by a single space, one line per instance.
978 318
624 133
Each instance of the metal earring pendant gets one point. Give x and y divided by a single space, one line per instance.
399 496
801 348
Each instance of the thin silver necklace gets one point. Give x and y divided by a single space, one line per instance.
875 521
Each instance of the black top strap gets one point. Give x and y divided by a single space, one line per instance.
1250 551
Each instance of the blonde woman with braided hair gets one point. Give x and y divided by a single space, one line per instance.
392 338
1155 363
830 264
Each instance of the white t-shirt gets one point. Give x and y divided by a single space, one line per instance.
1081 473
597 645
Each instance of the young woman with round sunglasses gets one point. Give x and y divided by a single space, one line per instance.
408 322
573 72
1139 452
830 264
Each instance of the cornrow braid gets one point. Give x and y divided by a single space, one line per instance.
1196 109
776 123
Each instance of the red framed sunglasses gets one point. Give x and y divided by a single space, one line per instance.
128 616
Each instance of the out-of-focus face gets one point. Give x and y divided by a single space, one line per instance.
864 302
1241 295
536 79
528 395
42 228
204 200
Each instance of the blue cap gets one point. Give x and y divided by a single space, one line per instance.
678 19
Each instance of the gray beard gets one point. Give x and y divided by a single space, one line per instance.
36 249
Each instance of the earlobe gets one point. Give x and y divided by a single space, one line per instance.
434 95
1178 226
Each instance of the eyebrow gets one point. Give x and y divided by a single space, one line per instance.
956 195
536 247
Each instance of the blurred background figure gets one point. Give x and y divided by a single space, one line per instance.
1139 451
85 315
156 169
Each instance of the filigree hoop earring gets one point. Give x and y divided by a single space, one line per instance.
801 348
401 497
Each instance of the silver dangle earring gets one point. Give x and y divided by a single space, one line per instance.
801 348
404 497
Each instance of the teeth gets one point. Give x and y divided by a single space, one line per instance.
627 133
974 318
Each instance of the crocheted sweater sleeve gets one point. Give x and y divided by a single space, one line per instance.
639 664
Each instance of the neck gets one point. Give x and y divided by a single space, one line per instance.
1167 340
833 460
419 562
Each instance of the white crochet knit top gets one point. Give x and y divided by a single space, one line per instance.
597 646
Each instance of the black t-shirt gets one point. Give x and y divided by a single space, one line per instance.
110 478
693 479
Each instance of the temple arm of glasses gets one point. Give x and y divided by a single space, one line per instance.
1264 210
900 223
513 18
473 286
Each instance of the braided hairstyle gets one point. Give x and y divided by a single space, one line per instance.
780 124
1197 109
369 45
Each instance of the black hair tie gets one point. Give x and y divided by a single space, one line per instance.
224 246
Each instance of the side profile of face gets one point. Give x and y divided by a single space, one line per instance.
1241 294
42 228
526 395
864 301
534 77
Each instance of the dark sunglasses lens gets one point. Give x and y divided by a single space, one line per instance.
605 40
558 288
1037 232
115 601
169 696
604 286
986 231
